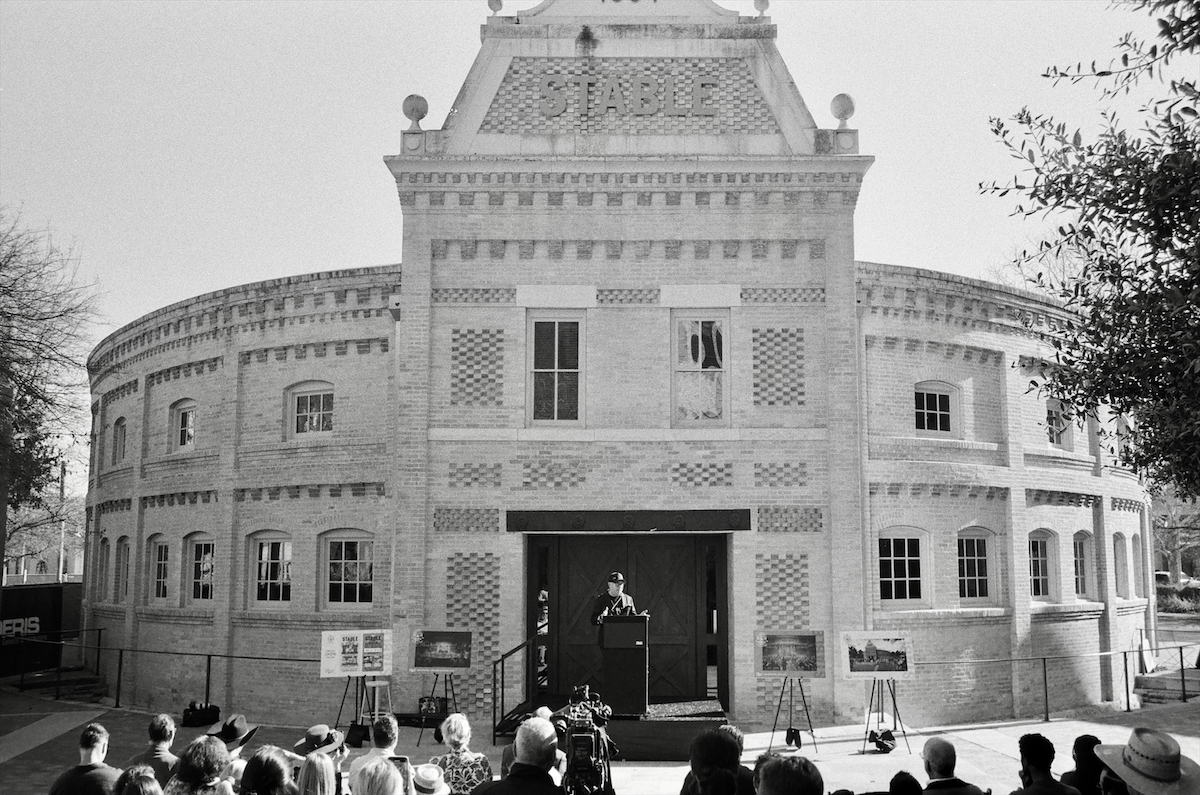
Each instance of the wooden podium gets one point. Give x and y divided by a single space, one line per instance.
625 663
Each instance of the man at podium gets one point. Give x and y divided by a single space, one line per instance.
614 603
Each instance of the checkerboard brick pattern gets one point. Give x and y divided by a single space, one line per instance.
740 106
778 366
477 367
781 602
466 520
702 474
545 474
790 519
473 603
646 295
474 475
783 295
786 474
474 295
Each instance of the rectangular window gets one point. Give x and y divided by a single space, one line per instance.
700 377
1080 567
899 568
556 370
350 572
160 571
314 413
972 568
202 570
274 582
1039 568
187 427
1057 426
933 411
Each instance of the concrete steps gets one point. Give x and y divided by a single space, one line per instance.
1163 687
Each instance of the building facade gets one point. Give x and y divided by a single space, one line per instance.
629 333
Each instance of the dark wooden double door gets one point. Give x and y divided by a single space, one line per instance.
677 578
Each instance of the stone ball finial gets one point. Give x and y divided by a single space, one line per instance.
415 109
842 108
495 5
761 6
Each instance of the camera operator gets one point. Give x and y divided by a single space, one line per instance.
537 745
580 726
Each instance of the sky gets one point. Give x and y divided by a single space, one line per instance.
184 147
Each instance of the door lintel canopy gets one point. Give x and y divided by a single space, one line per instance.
703 521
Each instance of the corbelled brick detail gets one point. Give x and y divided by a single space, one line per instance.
1067 498
310 490
179 498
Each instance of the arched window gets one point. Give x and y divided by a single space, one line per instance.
159 562
103 558
118 441
901 554
349 569
41 567
183 425
937 409
200 567
272 566
1121 565
310 409
121 578
976 548
1059 426
1084 564
1043 565
1139 568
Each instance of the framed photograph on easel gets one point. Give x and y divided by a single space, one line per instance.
789 652
876 655
440 651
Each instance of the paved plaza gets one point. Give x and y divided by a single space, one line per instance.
38 740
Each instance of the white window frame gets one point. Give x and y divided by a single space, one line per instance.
682 370
1121 565
183 425
886 579
328 564
119 435
1043 568
988 559
1083 565
260 543
952 411
158 565
1060 432
196 570
122 571
532 371
308 390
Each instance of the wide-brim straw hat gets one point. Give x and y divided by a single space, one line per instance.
1151 764
430 780
235 732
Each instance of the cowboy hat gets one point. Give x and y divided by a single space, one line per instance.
234 732
429 780
1150 764
319 738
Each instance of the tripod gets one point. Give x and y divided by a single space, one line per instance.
877 687
793 734
447 693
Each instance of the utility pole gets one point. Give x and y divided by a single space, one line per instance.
6 402
62 519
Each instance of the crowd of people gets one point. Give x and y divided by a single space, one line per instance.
215 763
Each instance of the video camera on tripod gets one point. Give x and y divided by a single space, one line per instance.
580 727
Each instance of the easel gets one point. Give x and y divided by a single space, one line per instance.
447 693
356 732
878 686
787 684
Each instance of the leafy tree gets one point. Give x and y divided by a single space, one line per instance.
1176 530
1128 209
45 311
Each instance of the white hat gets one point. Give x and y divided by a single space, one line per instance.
1150 764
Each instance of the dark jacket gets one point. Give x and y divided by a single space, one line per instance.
952 786
522 779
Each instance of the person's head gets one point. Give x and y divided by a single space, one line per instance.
456 731
268 772
384 732
93 743
536 744
790 775
316 775
1084 754
763 758
714 757
162 729
616 583
202 761
1037 754
377 777
129 781
904 783
940 758
737 734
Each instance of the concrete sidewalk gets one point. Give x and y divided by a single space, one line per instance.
38 741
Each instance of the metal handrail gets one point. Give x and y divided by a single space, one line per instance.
499 679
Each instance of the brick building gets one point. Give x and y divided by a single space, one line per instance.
629 333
